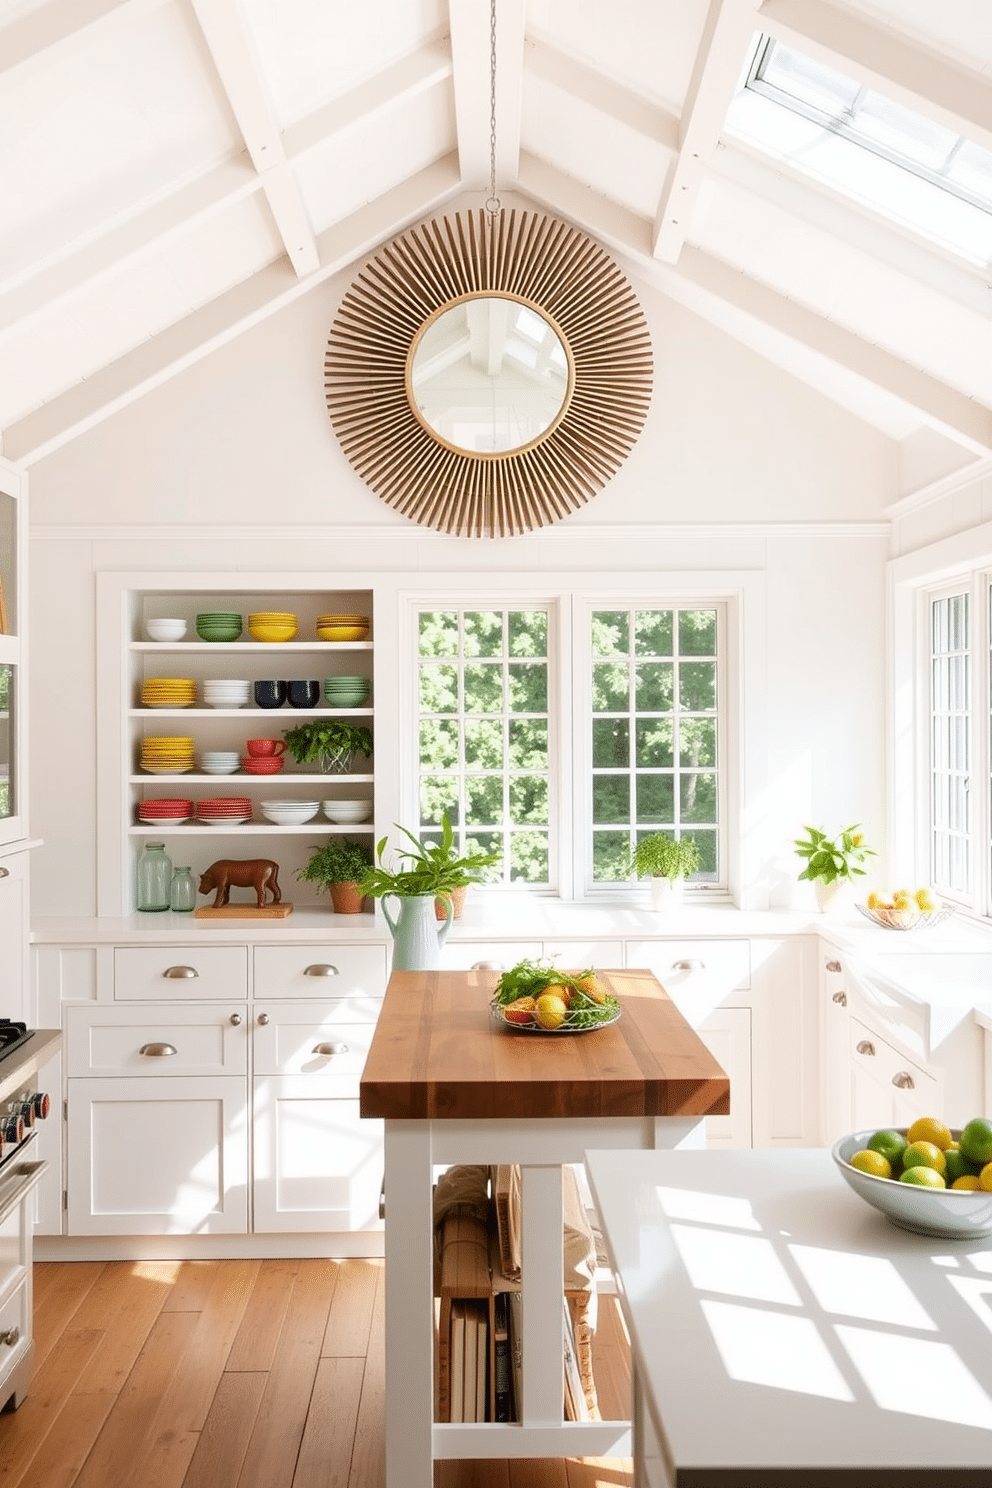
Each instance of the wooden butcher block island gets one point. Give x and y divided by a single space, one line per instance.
454 1086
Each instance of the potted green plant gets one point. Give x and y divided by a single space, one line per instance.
339 866
328 742
833 863
667 860
432 872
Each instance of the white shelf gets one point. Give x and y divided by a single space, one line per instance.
252 828
256 648
188 714
238 777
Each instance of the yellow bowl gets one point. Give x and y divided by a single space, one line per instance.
342 632
272 631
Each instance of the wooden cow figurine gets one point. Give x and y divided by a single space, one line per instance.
247 873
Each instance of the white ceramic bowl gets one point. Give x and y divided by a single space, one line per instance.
347 811
288 813
165 630
948 1213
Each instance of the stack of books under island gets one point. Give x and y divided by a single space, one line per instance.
477 1273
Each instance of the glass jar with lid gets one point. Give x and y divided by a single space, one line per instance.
154 878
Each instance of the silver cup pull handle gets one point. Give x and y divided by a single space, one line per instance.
158 1051
690 964
904 1081
321 968
865 1046
10 1336
840 998
180 973
330 1049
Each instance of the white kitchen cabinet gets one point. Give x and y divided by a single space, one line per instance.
835 1105
708 981
166 1155
887 1088
14 930
127 659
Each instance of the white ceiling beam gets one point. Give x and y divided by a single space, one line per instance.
715 75
83 261
379 95
164 356
940 406
230 46
824 355
597 91
470 55
39 37
915 76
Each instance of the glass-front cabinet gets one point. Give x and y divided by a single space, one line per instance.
13 784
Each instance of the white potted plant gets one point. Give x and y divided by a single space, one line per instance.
668 861
833 863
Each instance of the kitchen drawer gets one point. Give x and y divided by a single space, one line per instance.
576 955
204 1040
301 1039
300 971
698 975
155 973
464 955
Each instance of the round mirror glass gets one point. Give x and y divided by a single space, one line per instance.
489 375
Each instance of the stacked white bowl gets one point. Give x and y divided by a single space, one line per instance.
225 692
346 812
165 629
219 761
288 813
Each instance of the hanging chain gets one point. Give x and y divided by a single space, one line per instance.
493 205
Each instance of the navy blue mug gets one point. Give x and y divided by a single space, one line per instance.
270 694
303 694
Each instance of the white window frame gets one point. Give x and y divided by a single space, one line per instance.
959 563
746 844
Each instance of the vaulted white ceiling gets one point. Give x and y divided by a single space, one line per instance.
172 171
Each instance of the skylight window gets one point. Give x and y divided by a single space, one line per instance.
887 157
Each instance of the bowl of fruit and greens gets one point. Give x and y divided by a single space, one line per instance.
537 997
928 1177
906 909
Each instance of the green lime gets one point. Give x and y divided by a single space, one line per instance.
924 1155
891 1144
958 1166
976 1140
923 1177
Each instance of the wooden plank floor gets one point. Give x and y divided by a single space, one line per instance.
236 1374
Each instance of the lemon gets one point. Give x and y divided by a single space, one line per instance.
925 901
929 1129
924 1155
976 1140
985 1178
923 1177
873 1163
966 1181
550 1010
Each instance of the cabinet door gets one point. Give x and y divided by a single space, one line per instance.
318 1164
836 1116
727 1035
158 1157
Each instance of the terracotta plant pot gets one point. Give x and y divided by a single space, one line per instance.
457 897
345 898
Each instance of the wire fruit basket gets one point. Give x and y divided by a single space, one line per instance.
906 919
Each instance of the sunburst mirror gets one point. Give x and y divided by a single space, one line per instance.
486 374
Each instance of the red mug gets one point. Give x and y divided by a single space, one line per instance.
266 748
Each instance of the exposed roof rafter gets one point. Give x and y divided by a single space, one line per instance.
232 53
729 25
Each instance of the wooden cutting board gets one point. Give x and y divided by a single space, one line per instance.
244 912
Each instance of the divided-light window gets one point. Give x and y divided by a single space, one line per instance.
558 735
959 775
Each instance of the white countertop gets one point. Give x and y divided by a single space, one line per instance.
778 1322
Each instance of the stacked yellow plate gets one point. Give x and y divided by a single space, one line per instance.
342 627
168 755
272 625
168 692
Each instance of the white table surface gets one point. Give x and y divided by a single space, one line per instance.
783 1331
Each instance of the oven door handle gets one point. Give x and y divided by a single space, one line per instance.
16 1182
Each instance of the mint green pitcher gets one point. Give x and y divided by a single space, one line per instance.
417 935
